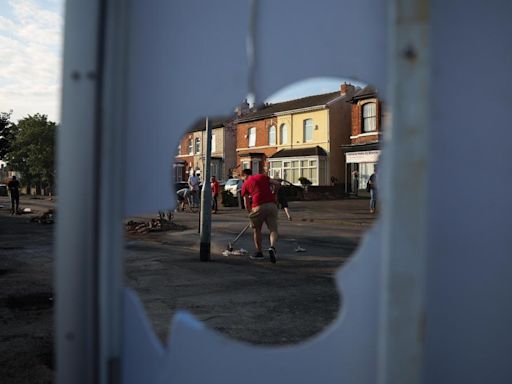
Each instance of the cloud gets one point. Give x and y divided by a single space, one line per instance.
30 58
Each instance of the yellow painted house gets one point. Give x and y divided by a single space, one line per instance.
309 136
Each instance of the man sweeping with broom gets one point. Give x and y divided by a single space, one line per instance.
262 208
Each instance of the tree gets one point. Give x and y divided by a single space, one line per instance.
7 133
32 152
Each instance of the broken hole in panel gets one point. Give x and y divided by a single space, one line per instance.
320 138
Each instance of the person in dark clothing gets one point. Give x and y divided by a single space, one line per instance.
372 184
14 192
282 202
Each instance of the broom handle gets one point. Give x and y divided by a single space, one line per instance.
241 233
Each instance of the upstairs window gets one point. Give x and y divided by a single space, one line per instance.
308 130
197 146
252 136
272 135
190 148
213 143
179 149
283 134
369 117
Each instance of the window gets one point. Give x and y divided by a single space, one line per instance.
246 165
283 134
308 130
197 146
291 170
252 136
213 142
369 117
179 149
190 148
272 135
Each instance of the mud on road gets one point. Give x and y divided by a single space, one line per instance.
257 302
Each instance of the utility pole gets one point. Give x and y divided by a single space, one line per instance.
206 200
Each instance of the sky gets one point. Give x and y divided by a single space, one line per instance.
309 87
31 36
30 57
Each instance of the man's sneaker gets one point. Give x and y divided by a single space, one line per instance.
257 256
272 254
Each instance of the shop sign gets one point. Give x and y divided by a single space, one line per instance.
362 156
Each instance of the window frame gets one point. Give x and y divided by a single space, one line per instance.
197 145
272 129
251 133
366 121
283 138
305 127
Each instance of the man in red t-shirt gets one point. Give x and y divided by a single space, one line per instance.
262 208
215 193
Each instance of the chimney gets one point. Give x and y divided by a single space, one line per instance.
346 88
242 109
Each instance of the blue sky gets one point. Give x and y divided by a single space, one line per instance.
30 57
308 87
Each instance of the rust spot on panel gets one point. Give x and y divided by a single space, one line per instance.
410 53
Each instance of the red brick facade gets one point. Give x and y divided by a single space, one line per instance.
261 150
357 123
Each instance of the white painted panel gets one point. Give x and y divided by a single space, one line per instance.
297 39
188 59
470 243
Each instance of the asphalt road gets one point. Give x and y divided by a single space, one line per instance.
254 301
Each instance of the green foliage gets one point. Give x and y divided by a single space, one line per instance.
7 133
32 151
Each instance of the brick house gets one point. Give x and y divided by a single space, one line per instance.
297 138
191 150
362 154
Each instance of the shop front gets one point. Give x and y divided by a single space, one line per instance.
361 161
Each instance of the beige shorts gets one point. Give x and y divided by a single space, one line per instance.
264 213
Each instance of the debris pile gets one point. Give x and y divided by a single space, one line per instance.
153 225
47 217
235 252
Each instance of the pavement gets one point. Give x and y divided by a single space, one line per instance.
254 301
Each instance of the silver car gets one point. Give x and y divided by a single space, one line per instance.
233 186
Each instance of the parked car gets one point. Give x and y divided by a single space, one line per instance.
292 191
183 184
3 190
233 186
180 185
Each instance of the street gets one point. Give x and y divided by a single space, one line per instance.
254 301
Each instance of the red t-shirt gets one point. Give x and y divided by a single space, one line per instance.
215 187
258 186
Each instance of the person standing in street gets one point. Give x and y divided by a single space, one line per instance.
215 193
282 201
262 208
193 184
14 191
372 184
355 183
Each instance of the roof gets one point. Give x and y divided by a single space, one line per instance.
268 110
299 152
364 93
215 122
